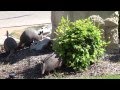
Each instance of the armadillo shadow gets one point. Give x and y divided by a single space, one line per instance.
52 66
35 73
32 73
50 63
22 54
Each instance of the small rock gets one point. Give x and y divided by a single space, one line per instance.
12 75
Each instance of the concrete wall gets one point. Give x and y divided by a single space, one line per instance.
85 14
74 15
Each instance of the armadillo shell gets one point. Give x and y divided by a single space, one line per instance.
52 63
28 36
10 44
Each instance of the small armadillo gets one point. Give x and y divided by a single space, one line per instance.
10 45
50 64
28 37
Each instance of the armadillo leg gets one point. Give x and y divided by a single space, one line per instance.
48 72
28 62
11 53
7 57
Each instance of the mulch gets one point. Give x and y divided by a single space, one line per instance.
25 65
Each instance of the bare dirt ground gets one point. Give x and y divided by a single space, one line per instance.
25 64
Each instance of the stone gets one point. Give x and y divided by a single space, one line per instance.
115 14
39 45
112 35
113 48
111 22
97 20
46 28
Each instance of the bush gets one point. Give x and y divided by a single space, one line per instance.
78 43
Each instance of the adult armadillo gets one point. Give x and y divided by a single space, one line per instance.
28 36
50 64
10 45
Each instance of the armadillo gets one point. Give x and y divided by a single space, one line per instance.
10 45
50 64
28 37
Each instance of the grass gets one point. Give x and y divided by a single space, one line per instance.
60 76
115 76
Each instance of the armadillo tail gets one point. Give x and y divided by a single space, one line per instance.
7 34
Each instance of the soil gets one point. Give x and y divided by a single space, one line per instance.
25 65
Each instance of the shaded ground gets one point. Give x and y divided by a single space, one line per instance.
24 63
26 66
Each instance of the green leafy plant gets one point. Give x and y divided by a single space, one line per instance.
78 43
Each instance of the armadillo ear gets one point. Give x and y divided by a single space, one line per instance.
40 32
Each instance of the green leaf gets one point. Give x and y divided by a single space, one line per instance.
78 42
